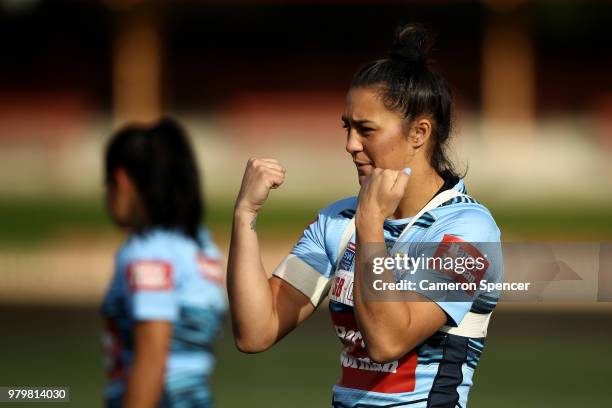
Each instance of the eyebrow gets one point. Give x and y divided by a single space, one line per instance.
359 121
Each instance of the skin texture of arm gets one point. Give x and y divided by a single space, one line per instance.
263 309
390 329
146 380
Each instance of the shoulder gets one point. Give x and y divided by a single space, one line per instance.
467 218
341 209
156 259
324 231
334 217
155 244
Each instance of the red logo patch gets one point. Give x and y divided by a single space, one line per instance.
150 275
211 269
460 260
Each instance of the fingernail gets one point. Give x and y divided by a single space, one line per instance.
407 170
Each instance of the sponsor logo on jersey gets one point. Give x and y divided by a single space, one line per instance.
364 363
211 269
150 275
360 372
348 258
453 249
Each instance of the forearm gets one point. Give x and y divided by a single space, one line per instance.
249 291
145 382
390 328
378 320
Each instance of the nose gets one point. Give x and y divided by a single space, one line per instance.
353 143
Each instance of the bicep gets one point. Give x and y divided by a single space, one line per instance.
300 282
291 307
151 343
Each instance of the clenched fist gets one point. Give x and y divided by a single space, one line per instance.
260 176
380 194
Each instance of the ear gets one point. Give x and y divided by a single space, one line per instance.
122 180
420 132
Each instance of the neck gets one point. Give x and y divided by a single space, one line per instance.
423 184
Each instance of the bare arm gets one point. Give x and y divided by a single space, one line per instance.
390 329
146 380
263 309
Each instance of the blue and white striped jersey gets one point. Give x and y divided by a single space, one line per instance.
438 372
164 275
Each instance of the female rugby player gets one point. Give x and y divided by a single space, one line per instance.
417 352
166 301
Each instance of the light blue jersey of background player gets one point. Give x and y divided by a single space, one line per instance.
163 275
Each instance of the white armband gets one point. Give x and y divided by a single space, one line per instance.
304 278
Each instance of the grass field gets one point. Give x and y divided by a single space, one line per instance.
535 359
27 222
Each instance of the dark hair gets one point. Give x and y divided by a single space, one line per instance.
410 85
160 162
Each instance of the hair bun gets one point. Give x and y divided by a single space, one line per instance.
412 44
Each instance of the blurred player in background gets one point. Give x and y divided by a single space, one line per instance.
166 301
418 352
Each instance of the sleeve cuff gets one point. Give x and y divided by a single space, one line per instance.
156 306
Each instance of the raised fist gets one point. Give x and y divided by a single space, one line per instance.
260 176
381 192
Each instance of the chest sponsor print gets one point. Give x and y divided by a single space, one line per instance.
360 372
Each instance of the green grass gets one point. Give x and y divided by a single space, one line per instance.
27 222
530 360
30 222
564 221
545 360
